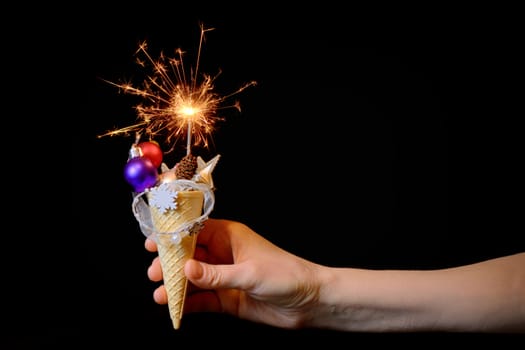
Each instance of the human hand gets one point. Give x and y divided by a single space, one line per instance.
237 271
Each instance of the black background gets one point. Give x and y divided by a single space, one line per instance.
375 139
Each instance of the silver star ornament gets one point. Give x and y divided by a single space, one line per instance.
204 170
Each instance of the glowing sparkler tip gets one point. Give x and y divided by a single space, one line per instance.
188 110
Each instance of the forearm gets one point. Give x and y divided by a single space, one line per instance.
487 296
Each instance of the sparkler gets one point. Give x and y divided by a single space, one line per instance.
179 102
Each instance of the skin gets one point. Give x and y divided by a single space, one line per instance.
237 271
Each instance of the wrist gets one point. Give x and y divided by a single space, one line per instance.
331 311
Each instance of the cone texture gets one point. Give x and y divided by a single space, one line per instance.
173 256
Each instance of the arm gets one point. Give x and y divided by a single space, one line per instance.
488 296
237 271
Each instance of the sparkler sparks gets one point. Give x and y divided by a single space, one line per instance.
178 102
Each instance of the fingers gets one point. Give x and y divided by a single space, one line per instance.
160 296
155 270
150 245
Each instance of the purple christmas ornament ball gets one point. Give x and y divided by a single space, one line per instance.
140 173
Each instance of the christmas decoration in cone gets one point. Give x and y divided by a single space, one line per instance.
172 205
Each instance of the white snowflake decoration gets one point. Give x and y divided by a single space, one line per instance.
164 197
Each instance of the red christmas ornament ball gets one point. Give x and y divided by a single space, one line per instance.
152 151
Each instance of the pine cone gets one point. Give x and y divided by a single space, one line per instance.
186 167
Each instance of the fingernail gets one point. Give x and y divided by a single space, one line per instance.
199 270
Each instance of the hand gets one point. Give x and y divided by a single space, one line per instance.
237 271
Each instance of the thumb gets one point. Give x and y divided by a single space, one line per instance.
207 276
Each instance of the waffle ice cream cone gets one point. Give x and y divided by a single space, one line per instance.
174 255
